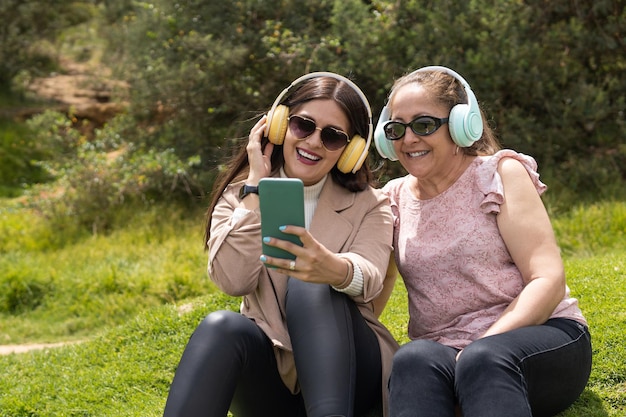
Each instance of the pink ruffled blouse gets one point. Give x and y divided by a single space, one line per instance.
457 270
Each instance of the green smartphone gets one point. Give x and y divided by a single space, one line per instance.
281 204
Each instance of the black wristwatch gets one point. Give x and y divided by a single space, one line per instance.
248 189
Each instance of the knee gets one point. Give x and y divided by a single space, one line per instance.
400 359
221 325
415 356
476 353
482 359
303 295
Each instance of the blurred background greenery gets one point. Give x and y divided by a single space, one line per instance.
194 74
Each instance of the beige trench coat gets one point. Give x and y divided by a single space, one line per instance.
358 224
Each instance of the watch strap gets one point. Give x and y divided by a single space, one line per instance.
248 189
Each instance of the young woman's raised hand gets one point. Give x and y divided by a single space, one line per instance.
259 159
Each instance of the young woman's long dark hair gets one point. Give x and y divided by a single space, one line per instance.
319 88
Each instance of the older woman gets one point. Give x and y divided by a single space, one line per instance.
493 327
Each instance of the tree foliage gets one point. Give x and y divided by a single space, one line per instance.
205 65
27 26
548 73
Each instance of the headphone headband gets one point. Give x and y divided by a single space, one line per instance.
447 71
300 80
471 98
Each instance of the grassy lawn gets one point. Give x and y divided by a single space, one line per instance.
133 298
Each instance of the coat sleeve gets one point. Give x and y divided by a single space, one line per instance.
234 247
371 247
361 230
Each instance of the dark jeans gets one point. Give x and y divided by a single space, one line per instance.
533 371
229 362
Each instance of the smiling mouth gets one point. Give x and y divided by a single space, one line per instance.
417 153
307 155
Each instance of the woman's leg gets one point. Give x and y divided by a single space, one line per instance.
369 370
229 360
534 371
337 355
422 380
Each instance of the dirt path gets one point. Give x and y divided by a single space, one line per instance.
86 91
27 347
9 349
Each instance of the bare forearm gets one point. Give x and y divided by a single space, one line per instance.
534 305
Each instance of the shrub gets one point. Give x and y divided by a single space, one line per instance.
18 151
93 178
21 292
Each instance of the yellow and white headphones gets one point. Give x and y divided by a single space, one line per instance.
356 151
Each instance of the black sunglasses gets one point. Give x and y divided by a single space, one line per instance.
332 139
421 126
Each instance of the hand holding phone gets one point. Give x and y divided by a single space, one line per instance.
281 204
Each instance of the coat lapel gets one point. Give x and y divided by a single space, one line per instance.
329 226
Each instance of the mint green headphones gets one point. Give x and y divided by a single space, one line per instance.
465 122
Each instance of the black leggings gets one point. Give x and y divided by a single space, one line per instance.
229 362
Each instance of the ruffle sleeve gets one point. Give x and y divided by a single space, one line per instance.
490 182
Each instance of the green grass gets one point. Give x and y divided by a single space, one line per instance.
121 294
59 283
124 372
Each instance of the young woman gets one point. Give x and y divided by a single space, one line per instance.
493 327
307 341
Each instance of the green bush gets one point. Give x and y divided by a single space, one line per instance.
95 177
20 292
550 75
18 153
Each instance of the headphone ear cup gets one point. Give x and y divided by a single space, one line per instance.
383 145
350 156
386 150
277 124
457 125
466 125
